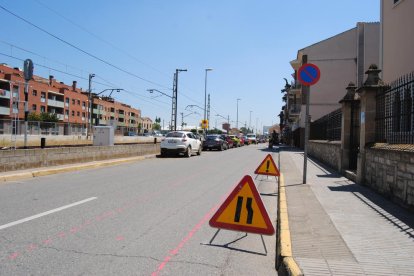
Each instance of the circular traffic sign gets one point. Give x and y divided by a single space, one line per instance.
309 74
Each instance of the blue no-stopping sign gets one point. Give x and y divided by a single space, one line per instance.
309 74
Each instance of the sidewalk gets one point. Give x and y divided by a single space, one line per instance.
340 228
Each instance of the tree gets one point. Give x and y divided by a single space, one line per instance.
34 117
158 120
48 117
156 126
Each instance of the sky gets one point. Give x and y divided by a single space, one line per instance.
137 45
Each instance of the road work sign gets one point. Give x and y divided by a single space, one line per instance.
268 167
243 211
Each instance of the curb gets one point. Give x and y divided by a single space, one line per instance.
285 263
71 168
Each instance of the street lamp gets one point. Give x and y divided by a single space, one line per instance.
237 117
250 120
205 92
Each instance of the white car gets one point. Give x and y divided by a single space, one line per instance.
181 142
252 138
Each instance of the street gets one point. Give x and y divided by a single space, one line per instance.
142 218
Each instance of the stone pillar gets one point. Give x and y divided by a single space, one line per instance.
346 126
368 93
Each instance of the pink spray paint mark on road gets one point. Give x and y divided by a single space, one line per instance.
14 256
120 238
175 251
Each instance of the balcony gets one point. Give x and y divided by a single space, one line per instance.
5 94
42 100
294 109
4 110
121 115
60 116
56 103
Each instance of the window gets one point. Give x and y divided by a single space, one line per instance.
67 112
73 101
43 97
78 102
34 107
67 100
83 104
34 93
83 114
73 113
42 109
78 113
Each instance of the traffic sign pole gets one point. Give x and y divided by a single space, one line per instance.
308 75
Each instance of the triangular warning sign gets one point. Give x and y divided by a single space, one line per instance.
243 210
268 167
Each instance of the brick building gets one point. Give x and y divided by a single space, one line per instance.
69 103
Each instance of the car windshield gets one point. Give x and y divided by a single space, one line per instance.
251 135
212 137
175 135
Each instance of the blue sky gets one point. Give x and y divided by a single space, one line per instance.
248 44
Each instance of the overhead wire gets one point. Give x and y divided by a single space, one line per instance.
92 55
81 50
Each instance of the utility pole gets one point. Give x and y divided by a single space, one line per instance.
250 120
90 104
28 74
175 98
208 112
182 120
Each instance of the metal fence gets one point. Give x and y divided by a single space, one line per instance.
16 127
394 122
327 127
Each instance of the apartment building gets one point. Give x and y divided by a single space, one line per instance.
68 102
341 59
146 124
397 39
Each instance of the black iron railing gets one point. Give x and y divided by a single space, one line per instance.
394 122
327 127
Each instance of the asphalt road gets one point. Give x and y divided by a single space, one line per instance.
143 218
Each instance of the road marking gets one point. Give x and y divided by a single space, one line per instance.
45 213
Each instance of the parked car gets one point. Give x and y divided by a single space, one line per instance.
228 139
246 141
177 142
252 138
242 140
236 140
215 142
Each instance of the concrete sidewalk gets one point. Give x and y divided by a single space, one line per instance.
340 228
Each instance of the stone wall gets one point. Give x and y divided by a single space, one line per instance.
390 171
33 158
328 152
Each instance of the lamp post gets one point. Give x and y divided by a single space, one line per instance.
205 92
90 103
250 120
237 117
175 98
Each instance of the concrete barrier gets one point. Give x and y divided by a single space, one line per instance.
285 263
11 160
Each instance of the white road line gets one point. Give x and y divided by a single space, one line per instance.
45 213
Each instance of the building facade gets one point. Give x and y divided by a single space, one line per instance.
397 39
341 59
69 103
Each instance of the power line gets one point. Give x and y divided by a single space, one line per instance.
81 50
100 39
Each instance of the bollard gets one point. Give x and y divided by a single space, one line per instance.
155 140
42 142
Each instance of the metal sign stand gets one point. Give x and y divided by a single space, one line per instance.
226 245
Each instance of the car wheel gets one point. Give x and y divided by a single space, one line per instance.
199 151
188 152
